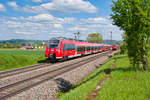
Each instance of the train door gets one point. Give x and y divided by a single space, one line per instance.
85 49
75 49
64 50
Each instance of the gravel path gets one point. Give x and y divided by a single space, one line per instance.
48 89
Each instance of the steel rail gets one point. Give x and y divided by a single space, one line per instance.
22 70
15 88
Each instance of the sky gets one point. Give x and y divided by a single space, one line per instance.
44 19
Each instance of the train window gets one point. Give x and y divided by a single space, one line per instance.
83 48
68 47
92 48
95 47
64 47
80 48
99 47
71 46
53 43
87 48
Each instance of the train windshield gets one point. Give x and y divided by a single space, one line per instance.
53 43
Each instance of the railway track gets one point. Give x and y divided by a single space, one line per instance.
17 87
22 70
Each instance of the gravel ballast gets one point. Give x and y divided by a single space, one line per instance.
22 76
47 90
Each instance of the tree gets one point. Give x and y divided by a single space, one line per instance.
118 43
94 37
18 45
1 45
133 17
123 44
8 45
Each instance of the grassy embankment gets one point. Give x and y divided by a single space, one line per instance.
81 90
125 83
11 59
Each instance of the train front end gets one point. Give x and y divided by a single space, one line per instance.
52 49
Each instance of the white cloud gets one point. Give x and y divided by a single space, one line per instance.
41 17
25 32
44 26
47 18
59 26
13 4
65 6
79 28
2 8
37 0
99 20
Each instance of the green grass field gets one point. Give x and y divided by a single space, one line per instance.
81 90
21 52
11 59
125 83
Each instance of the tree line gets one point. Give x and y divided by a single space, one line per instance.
10 45
19 45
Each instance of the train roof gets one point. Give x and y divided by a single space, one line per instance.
78 41
71 39
64 38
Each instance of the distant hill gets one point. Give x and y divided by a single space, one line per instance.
109 42
29 42
22 41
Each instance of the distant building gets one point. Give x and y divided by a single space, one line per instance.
26 47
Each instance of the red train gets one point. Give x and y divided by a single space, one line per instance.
115 47
62 48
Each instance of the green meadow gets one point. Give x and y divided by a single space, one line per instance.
11 59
